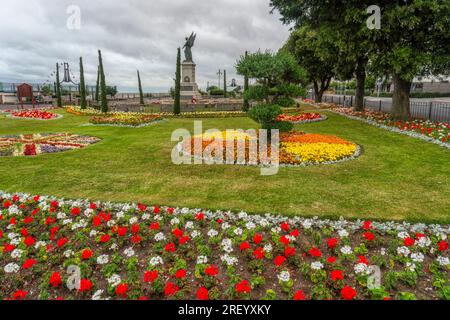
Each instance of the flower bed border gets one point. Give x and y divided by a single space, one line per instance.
58 117
394 129
356 155
322 118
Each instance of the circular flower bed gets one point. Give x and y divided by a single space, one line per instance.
295 149
302 118
35 114
40 143
135 251
126 120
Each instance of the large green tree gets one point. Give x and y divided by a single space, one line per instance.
177 100
412 41
246 106
83 103
97 87
104 100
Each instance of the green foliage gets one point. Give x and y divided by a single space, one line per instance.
83 103
111 90
141 93
246 106
46 90
256 92
266 115
97 87
103 93
177 101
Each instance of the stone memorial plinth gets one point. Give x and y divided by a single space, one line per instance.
189 87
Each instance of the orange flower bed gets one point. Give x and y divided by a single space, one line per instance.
311 138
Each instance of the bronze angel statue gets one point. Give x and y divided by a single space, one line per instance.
188 47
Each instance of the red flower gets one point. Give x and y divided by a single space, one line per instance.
8 248
202 294
92 206
180 274
337 275
86 254
170 247
362 259
121 290
243 287
75 211
136 239
442 245
154 226
348 293
257 238
29 241
105 238
150 276
55 279
96 221
367 225
409 242
369 236
29 263
244 246
295 233
279 260
212 271
259 253
200 216
284 240
177 233
314 252
19 295
155 210
61 242
135 228
331 259
289 252
299 295
85 285
285 226
170 289
121 231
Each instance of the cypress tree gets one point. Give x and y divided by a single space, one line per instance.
97 89
58 88
83 103
225 83
141 93
246 87
104 101
177 102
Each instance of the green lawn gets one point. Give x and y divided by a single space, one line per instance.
397 177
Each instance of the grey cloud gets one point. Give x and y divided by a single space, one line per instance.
134 34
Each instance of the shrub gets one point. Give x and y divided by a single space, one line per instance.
266 115
258 93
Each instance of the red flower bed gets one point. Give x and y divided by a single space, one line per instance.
35 114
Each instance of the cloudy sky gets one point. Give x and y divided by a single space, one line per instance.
133 34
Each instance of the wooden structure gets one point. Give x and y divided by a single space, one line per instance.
25 91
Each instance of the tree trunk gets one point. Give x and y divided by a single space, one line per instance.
360 85
317 94
400 98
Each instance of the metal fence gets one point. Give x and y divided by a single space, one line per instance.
430 110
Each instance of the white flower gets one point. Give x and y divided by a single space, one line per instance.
225 226
343 233
114 246
238 231
156 260
133 220
67 221
268 248
346 250
160 237
40 244
174 221
403 235
284 276
443 261
120 215
317 265
202 260
111 223
93 233
229 260
129 252
403 251
14 210
383 251
97 295
411 266
68 253
423 242
103 259
15 241
61 215
417 257
195 234
16 254
146 216
307 224
212 233
250 225
12 235
227 245
189 225
12 268
361 268
114 280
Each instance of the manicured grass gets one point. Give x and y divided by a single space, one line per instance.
397 177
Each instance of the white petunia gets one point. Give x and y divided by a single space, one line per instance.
346 250
114 280
160 237
317 265
417 257
129 252
212 233
68 253
103 259
443 261
284 276
343 233
155 261
12 268
403 251
202 260
16 253
238 231
361 268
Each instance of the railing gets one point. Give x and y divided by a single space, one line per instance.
431 110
